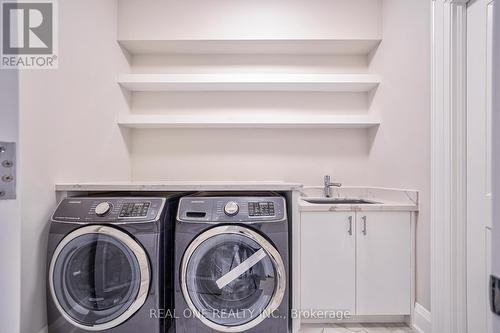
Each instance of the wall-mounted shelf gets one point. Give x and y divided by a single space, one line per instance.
253 46
239 121
258 82
250 82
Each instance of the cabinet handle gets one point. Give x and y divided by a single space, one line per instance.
349 231
364 225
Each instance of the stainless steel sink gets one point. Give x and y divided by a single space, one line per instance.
337 201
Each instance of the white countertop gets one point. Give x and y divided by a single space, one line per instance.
179 186
386 199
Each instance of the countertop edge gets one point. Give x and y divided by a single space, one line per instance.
358 208
176 186
231 186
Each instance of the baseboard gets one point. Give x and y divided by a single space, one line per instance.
359 319
421 319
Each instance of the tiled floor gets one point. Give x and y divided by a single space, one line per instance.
357 328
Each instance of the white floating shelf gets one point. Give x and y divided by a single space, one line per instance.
253 46
250 82
218 121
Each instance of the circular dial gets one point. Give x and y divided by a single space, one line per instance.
103 209
231 208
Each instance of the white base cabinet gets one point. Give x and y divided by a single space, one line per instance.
328 264
383 263
356 261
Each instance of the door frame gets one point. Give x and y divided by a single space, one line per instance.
449 166
10 210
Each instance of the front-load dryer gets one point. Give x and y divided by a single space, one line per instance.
109 265
232 258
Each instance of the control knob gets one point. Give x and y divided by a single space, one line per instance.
103 209
231 208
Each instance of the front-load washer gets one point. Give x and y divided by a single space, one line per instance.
109 265
232 257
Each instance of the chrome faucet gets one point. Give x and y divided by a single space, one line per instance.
328 186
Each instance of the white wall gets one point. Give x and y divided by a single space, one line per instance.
228 19
67 116
400 156
10 217
397 155
68 132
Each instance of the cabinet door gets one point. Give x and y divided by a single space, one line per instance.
383 263
328 261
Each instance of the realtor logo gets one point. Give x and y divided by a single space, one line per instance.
29 37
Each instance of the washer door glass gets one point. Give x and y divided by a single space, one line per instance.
230 279
96 278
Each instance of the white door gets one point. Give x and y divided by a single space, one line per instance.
383 263
496 158
327 260
10 236
479 128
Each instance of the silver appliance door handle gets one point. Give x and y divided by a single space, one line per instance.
364 225
349 231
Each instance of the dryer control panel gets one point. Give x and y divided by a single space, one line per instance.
232 209
112 210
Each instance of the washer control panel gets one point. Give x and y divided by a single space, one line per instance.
112 210
232 209
260 208
134 209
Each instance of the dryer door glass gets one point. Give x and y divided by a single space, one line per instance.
96 278
230 279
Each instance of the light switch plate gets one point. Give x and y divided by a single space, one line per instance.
8 164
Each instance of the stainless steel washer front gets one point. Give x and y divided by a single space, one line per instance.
232 278
99 277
